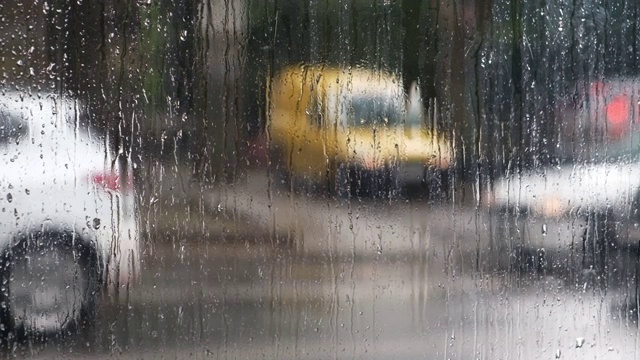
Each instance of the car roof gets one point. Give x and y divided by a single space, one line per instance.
355 79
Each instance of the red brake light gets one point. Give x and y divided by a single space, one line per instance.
611 102
618 110
109 181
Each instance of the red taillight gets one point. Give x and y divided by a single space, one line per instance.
619 110
110 181
614 105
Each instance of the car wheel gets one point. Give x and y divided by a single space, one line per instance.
393 189
435 183
509 252
343 182
50 287
501 250
598 241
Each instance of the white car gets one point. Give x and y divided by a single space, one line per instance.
69 233
573 214
567 211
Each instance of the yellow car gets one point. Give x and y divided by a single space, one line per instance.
345 129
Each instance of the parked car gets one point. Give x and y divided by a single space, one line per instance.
350 129
68 219
586 210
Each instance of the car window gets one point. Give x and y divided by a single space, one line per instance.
367 111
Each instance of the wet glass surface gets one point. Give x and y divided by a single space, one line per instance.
336 179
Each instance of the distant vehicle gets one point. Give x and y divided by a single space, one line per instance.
586 208
68 219
600 113
350 129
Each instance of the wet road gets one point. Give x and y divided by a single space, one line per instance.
333 280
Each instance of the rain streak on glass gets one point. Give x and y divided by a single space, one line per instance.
320 179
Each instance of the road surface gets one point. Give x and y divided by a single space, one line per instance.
267 274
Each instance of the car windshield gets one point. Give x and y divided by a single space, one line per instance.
372 110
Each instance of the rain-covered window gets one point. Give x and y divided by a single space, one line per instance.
11 129
320 179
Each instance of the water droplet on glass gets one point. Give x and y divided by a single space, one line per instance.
558 354
379 249
20 63
579 342
544 229
9 197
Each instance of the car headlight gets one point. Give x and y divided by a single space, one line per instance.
368 161
365 155
551 206
489 198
